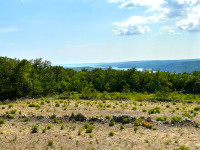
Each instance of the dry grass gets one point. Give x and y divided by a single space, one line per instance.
16 133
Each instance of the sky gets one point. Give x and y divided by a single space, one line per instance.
92 31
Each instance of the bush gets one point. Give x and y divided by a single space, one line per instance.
135 128
13 111
121 127
147 125
161 118
108 117
111 133
126 120
176 119
144 110
182 147
10 105
138 122
50 142
34 105
57 105
134 108
197 108
10 116
111 123
88 127
2 122
34 129
26 119
49 127
154 110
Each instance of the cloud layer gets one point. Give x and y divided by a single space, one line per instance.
182 14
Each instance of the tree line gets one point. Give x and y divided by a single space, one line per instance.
31 78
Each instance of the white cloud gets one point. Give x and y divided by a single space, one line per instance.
170 30
192 23
133 30
9 29
184 13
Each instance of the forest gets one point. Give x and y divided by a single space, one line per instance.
37 78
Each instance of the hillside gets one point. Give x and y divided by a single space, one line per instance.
178 66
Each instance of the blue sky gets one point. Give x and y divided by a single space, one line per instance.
84 31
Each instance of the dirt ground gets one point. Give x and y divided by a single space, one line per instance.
16 133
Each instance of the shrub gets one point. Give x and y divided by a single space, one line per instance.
154 110
26 119
135 128
10 116
34 105
57 121
126 120
147 125
138 122
34 129
161 118
121 127
111 133
197 108
88 127
176 119
167 106
10 105
108 117
44 130
50 142
142 117
62 127
196 125
112 123
57 105
2 122
49 127
134 108
144 110
182 147
13 111
3 107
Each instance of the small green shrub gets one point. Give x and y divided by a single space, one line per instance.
26 119
144 110
161 118
10 116
176 119
182 147
13 111
34 129
50 142
49 127
10 105
134 108
121 127
2 121
154 110
136 128
88 127
108 117
111 123
126 120
111 133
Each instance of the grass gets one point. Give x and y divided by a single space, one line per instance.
126 133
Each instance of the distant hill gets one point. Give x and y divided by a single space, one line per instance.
178 66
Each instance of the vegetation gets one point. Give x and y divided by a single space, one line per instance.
22 78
